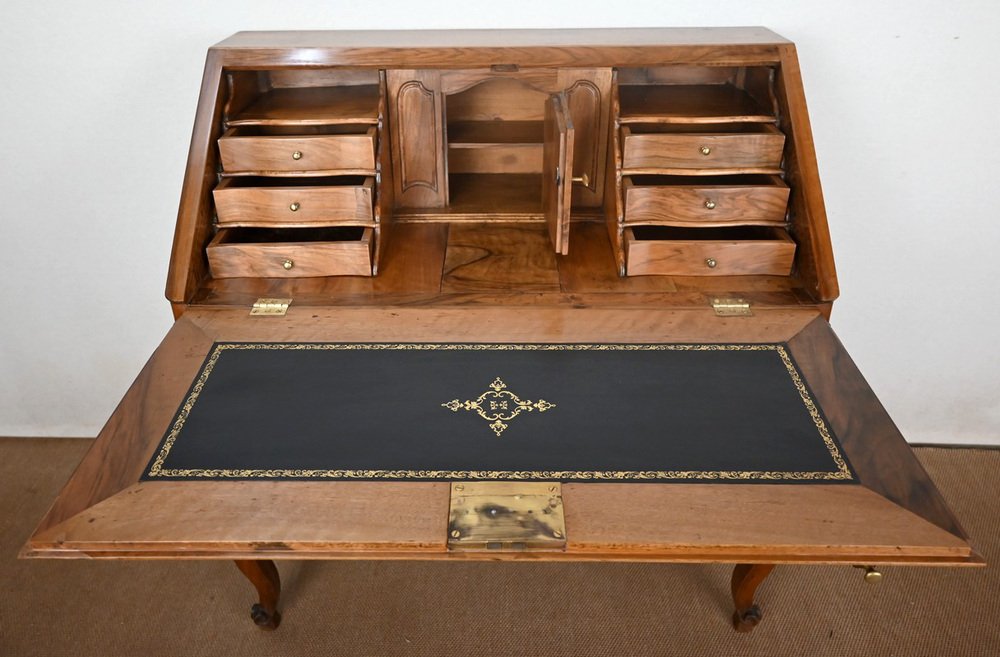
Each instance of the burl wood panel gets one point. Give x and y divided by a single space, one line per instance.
294 205
283 154
647 202
228 258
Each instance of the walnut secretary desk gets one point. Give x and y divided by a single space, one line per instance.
506 295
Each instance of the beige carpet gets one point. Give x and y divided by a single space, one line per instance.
84 608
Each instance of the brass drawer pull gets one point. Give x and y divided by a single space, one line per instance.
710 205
287 264
297 155
710 263
294 207
705 150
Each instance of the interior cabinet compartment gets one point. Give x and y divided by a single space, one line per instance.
705 200
298 150
743 250
291 253
312 106
253 201
495 147
702 149
697 94
495 127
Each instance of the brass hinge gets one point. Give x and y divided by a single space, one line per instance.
274 307
731 307
508 516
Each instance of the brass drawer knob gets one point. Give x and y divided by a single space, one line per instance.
297 155
710 263
287 264
294 207
710 205
705 150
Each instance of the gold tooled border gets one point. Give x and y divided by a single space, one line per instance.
842 472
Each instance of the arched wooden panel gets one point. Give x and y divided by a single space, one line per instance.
416 119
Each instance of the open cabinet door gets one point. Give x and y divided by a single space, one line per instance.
557 173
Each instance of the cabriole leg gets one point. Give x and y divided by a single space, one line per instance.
746 579
264 576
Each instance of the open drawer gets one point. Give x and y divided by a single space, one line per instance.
708 148
743 250
295 253
705 200
298 150
282 202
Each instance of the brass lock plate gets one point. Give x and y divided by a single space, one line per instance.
506 516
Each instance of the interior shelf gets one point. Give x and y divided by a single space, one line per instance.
485 197
683 103
312 106
482 134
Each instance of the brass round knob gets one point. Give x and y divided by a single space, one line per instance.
872 576
705 150
710 204
294 207
710 263
287 264
297 155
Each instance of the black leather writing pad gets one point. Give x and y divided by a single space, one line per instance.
650 412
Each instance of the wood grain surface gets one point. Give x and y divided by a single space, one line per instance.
291 202
679 201
730 522
254 153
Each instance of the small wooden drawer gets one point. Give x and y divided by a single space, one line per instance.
279 202
298 150
293 253
705 200
712 148
761 250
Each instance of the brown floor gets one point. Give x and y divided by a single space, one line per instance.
362 608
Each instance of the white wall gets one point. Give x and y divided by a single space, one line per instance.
97 101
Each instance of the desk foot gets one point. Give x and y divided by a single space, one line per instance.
263 574
746 579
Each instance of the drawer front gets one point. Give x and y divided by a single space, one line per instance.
292 205
716 257
303 154
231 259
706 205
664 151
